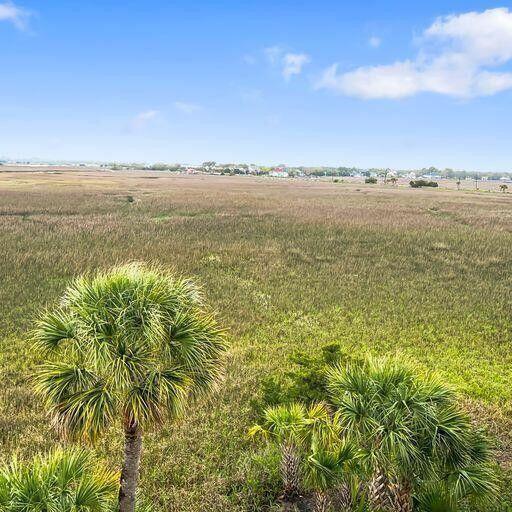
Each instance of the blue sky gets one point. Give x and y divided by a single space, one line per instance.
369 83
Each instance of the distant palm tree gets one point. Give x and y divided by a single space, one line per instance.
327 465
62 481
131 345
412 431
292 427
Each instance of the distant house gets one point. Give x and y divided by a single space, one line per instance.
279 172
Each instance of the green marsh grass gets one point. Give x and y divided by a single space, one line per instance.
287 265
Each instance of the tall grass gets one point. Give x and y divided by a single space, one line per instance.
427 274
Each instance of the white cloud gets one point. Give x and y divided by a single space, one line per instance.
458 57
16 15
187 108
143 119
374 41
290 63
293 64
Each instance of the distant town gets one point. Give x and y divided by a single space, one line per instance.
279 171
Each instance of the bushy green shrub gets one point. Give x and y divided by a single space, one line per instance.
423 183
305 382
371 180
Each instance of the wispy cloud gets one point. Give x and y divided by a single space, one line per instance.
14 14
291 63
374 41
142 119
273 54
187 108
459 56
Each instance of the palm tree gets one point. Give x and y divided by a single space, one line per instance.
62 481
411 429
292 427
132 345
285 424
325 467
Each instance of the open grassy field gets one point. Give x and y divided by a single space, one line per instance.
288 265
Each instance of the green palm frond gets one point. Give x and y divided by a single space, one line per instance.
57 381
85 414
160 394
197 344
436 498
327 465
283 423
62 481
285 420
53 329
476 480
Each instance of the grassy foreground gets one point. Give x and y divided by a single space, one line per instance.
288 266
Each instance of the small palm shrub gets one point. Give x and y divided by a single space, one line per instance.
63 481
131 346
292 427
412 431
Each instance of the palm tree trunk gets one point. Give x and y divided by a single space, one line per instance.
379 492
131 464
402 496
290 464
342 498
321 501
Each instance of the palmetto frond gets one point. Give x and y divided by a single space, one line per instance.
133 342
62 481
436 498
85 414
197 344
284 421
475 480
52 329
327 465
161 394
